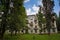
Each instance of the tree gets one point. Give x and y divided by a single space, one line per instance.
58 23
41 19
48 7
5 3
18 16
14 17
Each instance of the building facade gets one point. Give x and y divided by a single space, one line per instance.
33 24
34 28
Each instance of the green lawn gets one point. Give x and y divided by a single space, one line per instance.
32 37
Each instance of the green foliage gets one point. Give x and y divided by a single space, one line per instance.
58 23
32 37
1 7
17 19
40 18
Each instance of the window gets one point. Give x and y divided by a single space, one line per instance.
35 21
31 24
35 26
27 21
53 29
35 30
31 19
21 30
31 31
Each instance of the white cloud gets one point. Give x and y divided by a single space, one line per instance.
26 1
28 11
33 10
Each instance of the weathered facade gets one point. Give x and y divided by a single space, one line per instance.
34 26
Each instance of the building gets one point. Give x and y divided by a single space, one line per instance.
33 24
34 28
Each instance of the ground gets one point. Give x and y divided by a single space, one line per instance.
32 37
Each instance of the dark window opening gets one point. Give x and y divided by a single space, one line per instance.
35 21
35 31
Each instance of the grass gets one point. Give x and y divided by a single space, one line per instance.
32 37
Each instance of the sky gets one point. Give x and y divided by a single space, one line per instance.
32 6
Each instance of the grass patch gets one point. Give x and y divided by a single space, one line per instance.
32 37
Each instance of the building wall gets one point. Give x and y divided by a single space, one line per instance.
34 27
33 24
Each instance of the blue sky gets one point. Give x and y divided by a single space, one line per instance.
32 6
56 7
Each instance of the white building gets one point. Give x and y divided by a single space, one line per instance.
33 26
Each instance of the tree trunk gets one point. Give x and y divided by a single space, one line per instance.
48 22
15 32
11 33
2 33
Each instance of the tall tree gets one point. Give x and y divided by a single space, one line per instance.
48 7
17 16
41 18
58 22
14 16
5 3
